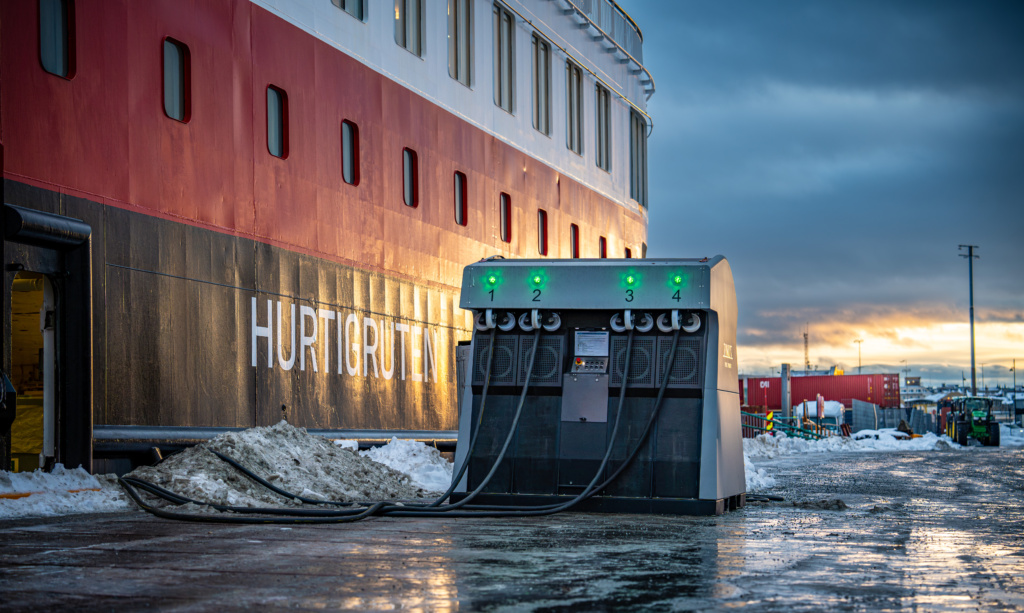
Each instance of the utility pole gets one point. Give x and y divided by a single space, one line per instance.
1013 411
858 341
970 280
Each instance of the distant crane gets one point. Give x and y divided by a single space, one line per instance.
807 354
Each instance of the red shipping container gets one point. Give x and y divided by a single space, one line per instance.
761 392
882 389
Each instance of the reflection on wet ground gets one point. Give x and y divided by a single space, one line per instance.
939 530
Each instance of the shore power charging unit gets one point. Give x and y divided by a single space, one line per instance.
690 462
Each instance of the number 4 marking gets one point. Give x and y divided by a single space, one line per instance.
676 296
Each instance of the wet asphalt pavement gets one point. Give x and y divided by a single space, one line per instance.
929 531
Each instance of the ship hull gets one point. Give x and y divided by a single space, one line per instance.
226 287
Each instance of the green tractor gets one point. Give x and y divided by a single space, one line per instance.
971 416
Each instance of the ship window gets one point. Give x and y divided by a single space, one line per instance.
603 247
542 232
350 152
409 25
410 178
574 112
637 158
177 80
629 253
57 37
505 203
604 130
460 198
277 122
541 85
504 48
352 7
460 36
574 240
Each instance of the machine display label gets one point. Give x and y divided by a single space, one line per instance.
594 344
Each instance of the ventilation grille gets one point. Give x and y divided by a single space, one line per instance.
503 370
547 367
641 366
687 369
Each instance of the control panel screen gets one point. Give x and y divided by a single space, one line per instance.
591 344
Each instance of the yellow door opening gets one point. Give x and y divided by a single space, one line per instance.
32 372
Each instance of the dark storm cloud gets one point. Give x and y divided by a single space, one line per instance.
837 153
922 44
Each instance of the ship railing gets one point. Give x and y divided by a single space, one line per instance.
614 22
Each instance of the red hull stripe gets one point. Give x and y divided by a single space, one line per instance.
103 135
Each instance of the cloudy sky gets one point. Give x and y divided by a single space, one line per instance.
838 153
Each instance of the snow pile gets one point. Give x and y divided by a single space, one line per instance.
347 444
424 465
765 446
757 478
289 458
59 492
889 439
1011 436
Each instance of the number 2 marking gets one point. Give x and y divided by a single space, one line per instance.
536 295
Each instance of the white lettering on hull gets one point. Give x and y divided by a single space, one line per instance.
367 350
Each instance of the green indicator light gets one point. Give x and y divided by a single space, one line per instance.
678 280
491 280
630 279
537 279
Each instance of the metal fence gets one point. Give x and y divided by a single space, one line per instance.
868 416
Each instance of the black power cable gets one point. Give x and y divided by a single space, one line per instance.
415 510
377 508
643 436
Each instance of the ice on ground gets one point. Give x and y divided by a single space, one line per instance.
288 457
423 464
1011 436
59 492
767 446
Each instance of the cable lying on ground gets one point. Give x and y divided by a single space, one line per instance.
462 508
